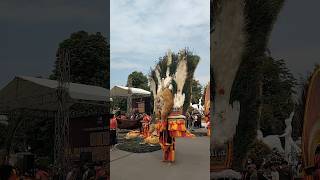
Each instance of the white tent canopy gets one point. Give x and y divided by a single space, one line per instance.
39 93
122 91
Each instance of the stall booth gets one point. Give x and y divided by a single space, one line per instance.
88 108
139 99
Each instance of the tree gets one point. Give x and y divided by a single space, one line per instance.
196 91
89 59
139 80
119 103
276 101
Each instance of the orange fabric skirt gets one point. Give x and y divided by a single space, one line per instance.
167 143
145 131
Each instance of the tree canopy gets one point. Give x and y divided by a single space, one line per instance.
138 80
196 91
89 58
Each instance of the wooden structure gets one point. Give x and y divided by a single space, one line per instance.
137 99
89 138
37 97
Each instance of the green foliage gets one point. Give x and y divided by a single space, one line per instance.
257 152
192 64
277 102
137 145
120 103
260 18
196 91
89 59
139 80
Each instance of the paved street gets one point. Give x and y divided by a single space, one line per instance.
192 163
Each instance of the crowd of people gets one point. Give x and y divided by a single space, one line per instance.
9 172
277 170
269 171
193 119
86 172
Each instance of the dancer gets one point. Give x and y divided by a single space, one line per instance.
146 125
170 102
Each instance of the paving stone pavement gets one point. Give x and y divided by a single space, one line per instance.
192 163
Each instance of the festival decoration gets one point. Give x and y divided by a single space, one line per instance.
170 83
227 48
239 36
207 108
132 134
291 149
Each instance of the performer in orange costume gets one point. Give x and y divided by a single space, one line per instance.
146 125
169 102
207 118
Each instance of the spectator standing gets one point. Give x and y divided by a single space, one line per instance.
113 131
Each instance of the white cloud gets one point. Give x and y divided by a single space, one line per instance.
123 64
143 30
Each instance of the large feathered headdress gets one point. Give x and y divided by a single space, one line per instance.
174 72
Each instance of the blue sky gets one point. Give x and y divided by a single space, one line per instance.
143 30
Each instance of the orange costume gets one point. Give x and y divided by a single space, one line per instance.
168 129
207 118
146 126
169 93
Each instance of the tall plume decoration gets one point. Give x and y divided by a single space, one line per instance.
157 73
173 73
228 46
180 79
168 79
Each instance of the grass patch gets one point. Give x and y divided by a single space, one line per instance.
135 146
